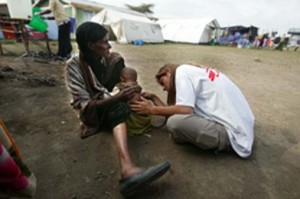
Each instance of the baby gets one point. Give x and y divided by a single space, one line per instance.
136 124
128 78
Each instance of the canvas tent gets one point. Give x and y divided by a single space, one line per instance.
16 9
295 37
14 13
80 11
128 27
194 31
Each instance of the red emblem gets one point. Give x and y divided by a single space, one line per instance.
212 73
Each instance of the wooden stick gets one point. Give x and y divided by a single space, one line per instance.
47 43
24 36
1 50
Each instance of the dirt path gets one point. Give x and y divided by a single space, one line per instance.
35 106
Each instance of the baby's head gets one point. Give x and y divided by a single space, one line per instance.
128 75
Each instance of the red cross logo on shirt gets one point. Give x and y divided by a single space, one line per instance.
212 73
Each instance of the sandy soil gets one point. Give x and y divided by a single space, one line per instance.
35 107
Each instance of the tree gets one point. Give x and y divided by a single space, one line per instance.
144 8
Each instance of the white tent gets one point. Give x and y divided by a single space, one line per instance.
16 9
189 30
294 36
128 27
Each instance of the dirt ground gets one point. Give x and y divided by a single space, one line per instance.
34 105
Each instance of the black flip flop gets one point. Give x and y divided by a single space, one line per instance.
130 185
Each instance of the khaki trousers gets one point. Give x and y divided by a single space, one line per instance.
198 131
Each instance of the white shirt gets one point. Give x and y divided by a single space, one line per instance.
58 11
215 97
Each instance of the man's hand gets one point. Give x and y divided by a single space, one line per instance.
126 93
47 18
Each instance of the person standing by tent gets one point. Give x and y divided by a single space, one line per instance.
90 77
64 27
205 108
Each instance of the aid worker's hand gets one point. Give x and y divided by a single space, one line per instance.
143 106
148 96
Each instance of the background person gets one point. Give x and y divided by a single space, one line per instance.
64 28
205 108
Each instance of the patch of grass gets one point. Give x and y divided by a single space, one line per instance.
7 41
